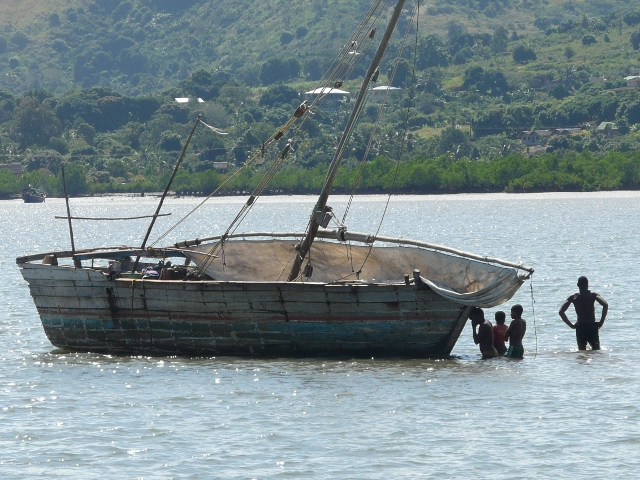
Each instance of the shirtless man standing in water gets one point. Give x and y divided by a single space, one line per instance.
484 333
586 326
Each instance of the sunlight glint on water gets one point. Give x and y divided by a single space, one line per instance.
564 413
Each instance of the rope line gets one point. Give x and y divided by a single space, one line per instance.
406 123
533 310
342 68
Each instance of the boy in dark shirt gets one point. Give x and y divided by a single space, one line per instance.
515 333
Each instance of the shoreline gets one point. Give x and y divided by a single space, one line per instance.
311 196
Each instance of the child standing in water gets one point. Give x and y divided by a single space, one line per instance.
515 333
499 329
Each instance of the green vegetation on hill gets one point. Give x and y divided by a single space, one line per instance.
93 84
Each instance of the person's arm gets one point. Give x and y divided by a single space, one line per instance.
605 309
563 315
476 336
485 332
507 332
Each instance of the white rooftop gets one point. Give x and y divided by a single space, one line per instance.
327 90
186 100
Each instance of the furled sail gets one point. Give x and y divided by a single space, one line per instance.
462 280
501 288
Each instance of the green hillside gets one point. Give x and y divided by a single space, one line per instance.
142 46
93 83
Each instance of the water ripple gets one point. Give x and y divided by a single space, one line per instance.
554 414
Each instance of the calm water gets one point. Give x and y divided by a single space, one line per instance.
556 414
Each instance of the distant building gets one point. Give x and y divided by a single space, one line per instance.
221 166
597 79
328 98
187 100
15 168
608 129
633 81
378 93
541 82
534 137
566 131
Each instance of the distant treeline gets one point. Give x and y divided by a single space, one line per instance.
571 171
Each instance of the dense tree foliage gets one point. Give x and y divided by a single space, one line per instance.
443 174
94 86
523 53
277 70
34 123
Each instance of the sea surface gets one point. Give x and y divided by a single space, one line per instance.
559 413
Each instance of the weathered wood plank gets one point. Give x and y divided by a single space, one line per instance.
61 273
63 291
160 300
238 317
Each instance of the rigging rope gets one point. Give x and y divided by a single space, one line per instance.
344 66
298 114
383 104
346 136
533 310
269 142
404 133
214 129
336 67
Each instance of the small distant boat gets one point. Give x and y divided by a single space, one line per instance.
33 195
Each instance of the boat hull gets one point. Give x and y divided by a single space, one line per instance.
33 198
86 310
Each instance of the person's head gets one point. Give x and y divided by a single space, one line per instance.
476 315
500 317
583 283
516 311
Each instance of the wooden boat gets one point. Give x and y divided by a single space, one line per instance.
393 309
33 195
322 291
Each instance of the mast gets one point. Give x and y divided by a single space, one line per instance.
320 210
166 190
76 262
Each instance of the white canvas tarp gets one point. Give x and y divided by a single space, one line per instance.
462 280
